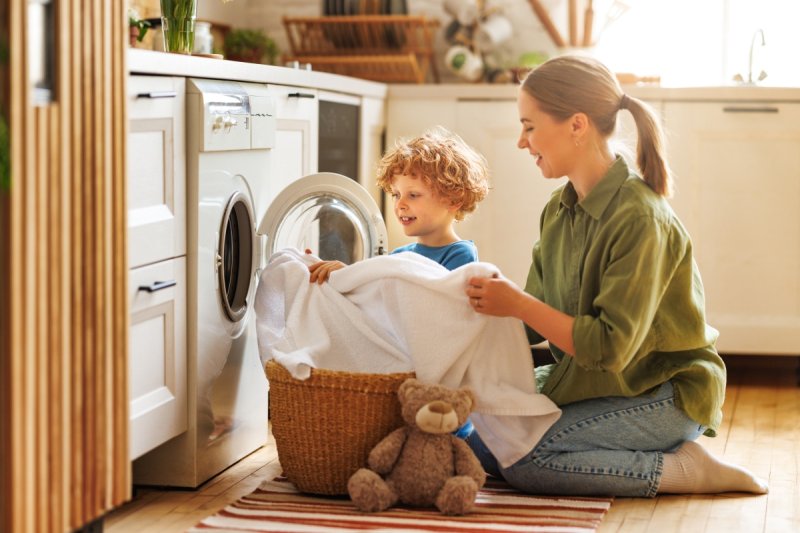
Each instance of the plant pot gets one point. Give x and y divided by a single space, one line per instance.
133 32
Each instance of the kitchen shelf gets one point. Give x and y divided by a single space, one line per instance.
385 48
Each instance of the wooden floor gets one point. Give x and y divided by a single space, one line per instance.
761 431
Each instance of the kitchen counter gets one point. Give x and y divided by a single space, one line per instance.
160 63
165 64
466 91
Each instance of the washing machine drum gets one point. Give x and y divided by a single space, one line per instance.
330 214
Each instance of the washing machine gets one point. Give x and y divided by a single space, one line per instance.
233 227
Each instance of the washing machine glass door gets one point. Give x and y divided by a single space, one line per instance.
236 256
330 214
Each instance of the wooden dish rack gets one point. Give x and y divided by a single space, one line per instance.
385 48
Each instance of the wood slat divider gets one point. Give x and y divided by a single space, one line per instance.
63 275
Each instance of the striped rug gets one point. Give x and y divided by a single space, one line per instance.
276 506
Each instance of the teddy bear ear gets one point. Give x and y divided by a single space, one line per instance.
466 391
407 387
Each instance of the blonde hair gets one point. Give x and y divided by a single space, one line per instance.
444 162
571 84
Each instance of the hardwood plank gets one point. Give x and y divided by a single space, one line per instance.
760 432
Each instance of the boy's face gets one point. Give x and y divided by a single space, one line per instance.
422 213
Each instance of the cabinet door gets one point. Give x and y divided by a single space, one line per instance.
157 364
156 170
372 127
737 168
295 152
506 224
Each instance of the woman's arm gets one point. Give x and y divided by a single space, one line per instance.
500 297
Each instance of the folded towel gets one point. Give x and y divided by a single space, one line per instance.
401 313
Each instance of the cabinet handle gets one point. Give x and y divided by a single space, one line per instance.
158 94
764 109
300 95
158 285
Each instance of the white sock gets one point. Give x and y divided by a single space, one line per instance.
692 470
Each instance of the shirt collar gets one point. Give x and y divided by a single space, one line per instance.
599 197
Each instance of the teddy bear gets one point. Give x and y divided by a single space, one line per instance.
422 464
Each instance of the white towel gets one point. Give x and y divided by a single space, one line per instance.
401 313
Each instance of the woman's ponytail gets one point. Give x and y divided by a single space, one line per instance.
649 146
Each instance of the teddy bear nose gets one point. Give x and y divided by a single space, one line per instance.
439 407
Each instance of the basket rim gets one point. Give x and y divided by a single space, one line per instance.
335 378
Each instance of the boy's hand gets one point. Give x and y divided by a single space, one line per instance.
321 271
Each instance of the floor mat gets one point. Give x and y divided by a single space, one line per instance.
276 506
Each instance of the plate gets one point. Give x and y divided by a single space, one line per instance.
212 56
394 7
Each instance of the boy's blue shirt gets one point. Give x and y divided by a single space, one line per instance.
450 256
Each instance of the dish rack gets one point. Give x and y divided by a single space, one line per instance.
385 48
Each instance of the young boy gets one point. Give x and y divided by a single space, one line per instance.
434 180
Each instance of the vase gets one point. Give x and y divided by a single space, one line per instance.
177 25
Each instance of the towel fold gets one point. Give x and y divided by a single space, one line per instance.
402 313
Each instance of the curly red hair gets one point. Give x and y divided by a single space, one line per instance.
446 163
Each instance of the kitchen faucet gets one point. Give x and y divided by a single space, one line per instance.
763 73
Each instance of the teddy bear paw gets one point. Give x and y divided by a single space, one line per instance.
369 491
457 497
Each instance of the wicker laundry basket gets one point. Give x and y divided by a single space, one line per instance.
325 426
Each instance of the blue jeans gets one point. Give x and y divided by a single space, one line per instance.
600 447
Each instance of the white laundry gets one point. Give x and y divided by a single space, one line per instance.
402 313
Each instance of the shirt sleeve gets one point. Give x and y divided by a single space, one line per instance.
642 259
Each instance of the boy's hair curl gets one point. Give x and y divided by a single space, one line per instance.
445 162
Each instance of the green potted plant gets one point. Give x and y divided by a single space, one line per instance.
252 46
137 26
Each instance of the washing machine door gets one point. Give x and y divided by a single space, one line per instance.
236 256
330 214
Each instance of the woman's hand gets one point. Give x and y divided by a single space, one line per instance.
321 271
496 296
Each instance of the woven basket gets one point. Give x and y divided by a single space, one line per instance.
325 426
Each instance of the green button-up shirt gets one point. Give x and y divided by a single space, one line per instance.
621 263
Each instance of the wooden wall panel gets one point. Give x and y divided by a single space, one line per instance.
63 322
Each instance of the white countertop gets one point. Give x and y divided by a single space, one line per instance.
166 64
478 91
161 63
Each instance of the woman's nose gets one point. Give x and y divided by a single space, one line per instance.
522 142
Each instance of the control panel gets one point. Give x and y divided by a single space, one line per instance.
236 115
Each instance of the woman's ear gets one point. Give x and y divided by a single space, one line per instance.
579 124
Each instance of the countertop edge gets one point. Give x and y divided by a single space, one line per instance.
165 64
509 92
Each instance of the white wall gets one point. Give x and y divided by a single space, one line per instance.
686 42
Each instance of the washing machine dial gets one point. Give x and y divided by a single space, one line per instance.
229 122
218 123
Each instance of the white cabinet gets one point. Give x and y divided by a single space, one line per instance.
372 127
296 137
158 407
156 169
156 257
737 168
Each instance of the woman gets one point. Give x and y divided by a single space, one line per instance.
615 290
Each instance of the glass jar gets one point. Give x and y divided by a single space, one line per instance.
203 41
177 25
